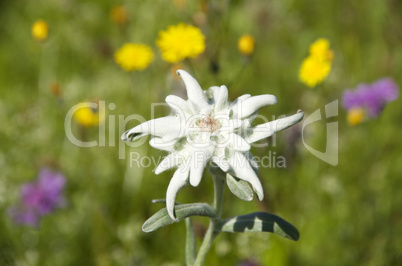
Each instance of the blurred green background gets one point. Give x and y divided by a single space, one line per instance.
349 214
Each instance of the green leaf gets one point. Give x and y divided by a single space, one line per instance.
161 218
240 188
258 222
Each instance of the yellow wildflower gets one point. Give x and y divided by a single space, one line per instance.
316 67
132 56
87 116
180 42
246 44
119 15
313 71
355 116
320 49
40 30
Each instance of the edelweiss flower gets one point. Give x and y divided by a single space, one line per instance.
207 127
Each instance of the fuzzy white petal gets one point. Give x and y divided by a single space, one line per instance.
198 161
157 127
222 162
238 143
221 98
194 90
240 168
168 162
160 144
268 129
178 181
179 105
251 105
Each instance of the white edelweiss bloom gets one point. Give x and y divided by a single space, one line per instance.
207 127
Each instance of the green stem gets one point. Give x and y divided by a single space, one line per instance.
211 233
190 242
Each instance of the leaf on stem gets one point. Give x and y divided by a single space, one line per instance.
240 188
258 222
162 218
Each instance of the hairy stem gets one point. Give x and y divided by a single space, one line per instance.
211 234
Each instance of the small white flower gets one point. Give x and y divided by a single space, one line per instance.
207 127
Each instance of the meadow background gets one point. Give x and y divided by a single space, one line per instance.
349 214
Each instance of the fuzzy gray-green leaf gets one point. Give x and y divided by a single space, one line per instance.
240 188
161 218
259 222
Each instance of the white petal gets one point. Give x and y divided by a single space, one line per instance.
238 143
157 127
222 162
251 105
178 181
178 104
221 98
240 168
253 163
199 159
194 90
160 144
241 98
168 162
268 129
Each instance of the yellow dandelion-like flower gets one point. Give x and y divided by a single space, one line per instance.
355 116
132 56
40 30
87 116
119 15
320 49
313 71
316 67
246 44
180 42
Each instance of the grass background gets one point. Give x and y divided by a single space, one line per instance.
349 214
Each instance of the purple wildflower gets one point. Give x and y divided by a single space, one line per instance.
372 97
39 198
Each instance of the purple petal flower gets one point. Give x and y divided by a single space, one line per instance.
372 97
387 88
39 198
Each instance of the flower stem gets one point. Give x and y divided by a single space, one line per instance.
211 233
190 242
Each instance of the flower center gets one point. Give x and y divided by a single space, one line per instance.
209 124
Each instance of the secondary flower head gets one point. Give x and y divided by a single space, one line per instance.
320 49
317 66
180 42
371 97
209 128
246 44
133 56
87 116
39 197
40 30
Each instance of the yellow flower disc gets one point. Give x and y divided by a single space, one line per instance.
40 30
355 116
133 56
246 44
313 71
180 42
